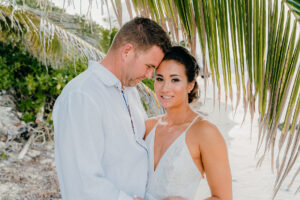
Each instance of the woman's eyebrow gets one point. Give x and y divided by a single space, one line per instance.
172 75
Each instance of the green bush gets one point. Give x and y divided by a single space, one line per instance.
149 83
33 85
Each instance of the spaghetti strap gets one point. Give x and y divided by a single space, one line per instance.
193 121
156 124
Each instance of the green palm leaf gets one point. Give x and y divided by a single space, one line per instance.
50 43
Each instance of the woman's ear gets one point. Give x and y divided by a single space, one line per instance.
191 86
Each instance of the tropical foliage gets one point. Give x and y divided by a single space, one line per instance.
35 89
44 39
258 40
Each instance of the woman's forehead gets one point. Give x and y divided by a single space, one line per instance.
170 67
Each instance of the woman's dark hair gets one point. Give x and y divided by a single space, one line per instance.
183 56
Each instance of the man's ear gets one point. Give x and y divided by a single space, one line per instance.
127 50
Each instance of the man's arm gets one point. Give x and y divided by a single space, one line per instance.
79 148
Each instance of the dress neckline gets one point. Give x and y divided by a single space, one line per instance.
170 146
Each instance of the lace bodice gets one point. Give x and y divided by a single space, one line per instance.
176 173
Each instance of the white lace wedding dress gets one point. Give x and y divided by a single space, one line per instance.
176 173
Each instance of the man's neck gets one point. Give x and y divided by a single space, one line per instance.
112 63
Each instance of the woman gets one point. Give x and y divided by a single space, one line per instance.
183 147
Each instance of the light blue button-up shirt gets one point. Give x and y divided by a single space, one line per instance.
97 154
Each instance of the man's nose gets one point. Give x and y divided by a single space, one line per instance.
149 73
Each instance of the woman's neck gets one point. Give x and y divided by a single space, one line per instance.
178 115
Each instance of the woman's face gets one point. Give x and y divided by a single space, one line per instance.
171 84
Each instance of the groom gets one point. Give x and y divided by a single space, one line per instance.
99 120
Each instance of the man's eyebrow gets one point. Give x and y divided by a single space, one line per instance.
151 65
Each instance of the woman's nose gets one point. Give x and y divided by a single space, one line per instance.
165 86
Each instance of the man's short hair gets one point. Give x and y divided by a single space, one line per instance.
142 33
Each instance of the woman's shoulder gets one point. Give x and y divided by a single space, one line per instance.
150 123
206 132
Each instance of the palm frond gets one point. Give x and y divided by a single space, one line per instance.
50 43
294 5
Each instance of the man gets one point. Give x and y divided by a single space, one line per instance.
99 120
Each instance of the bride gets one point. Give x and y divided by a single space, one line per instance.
183 147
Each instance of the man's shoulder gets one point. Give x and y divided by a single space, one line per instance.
85 82
84 86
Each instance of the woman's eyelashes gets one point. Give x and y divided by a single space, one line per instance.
174 80
159 79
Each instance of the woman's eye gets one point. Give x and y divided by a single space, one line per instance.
175 80
158 79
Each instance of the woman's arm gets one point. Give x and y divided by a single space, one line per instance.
215 161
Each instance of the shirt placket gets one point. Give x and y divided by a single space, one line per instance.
128 109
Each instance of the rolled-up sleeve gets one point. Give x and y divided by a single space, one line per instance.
79 148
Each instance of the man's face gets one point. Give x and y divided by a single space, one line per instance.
141 65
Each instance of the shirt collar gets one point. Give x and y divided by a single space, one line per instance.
107 77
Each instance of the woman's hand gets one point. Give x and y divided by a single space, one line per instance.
137 198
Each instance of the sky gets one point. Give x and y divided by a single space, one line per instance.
98 10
